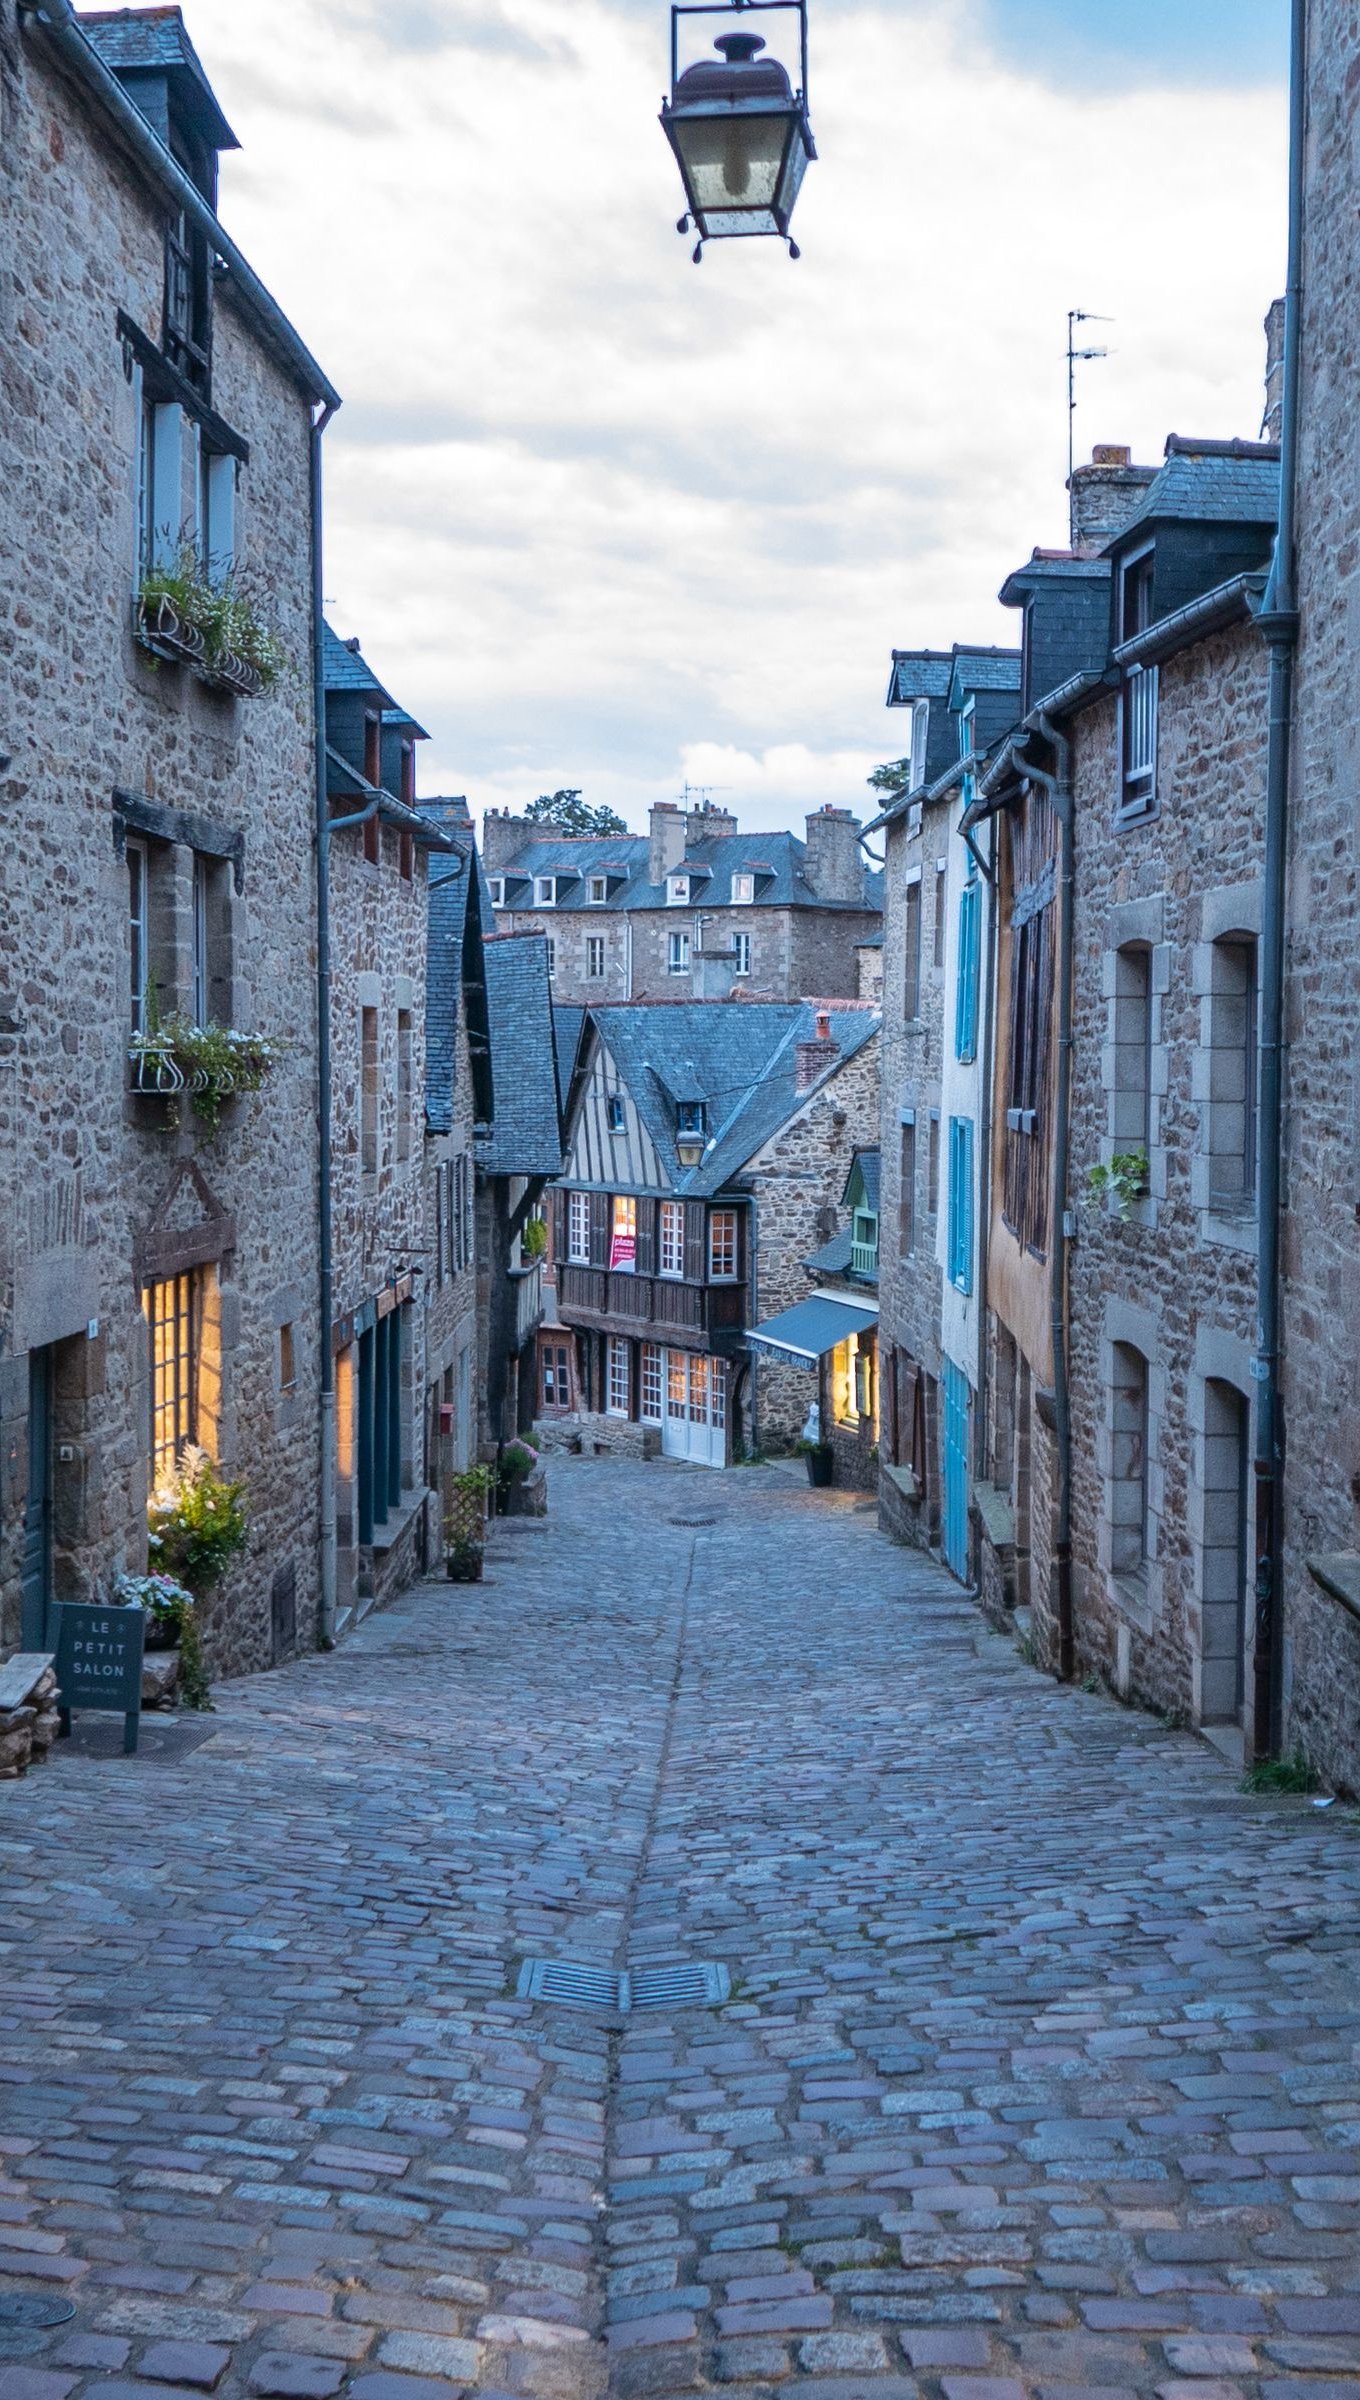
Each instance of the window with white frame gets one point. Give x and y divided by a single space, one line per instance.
677 954
545 891
495 884
743 891
597 890
677 891
673 1239
652 1382
578 1228
741 953
595 957
618 1392
722 1245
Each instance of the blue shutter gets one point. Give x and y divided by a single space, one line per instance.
961 1203
966 995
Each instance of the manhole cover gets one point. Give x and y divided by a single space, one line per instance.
576 1986
34 2308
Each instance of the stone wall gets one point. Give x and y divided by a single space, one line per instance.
592 1435
796 953
909 1287
88 1172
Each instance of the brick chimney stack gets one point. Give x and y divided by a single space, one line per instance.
706 822
833 866
1270 430
1104 496
504 837
668 828
816 1056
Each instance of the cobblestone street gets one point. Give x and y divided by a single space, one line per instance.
1040 2071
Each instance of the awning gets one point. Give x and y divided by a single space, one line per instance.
806 1333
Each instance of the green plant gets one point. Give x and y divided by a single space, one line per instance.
518 1460
1124 1180
197 1521
224 613
1291 1774
169 1603
465 1518
215 1062
533 1241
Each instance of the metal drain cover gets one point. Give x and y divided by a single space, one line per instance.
34 2308
576 1986
696 1520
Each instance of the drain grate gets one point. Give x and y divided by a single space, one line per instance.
573 1985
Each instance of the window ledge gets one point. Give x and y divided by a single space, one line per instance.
1229 1232
407 1509
1337 1573
995 1515
1132 1596
903 1480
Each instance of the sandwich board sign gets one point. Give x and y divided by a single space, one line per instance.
99 1664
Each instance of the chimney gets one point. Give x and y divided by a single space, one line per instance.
1104 496
833 866
668 828
711 975
1270 429
504 837
816 1056
706 822
451 815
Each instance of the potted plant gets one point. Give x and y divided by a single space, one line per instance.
821 1462
465 1525
196 1524
167 1605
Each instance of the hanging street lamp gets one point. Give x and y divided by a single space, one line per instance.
739 129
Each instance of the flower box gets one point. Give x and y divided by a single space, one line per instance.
160 627
153 1070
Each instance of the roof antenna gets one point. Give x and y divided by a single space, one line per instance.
1076 358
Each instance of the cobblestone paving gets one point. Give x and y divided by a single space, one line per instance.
1041 2072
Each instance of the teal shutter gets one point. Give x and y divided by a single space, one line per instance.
966 995
961 1204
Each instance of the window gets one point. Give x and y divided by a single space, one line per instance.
906 1204
545 891
615 1111
495 885
618 1382
578 1228
406 854
407 794
216 512
743 891
651 1384
138 937
1131 1111
677 891
467 1203
1132 1525
403 1083
550 947
595 957
722 1245
920 727
373 747
864 1242
677 956
966 986
373 840
188 300
1025 1173
843 1403
623 1235
160 467
911 962
556 1376
673 1239
1138 700
441 1248
175 1314
961 1204
597 891
287 1360
937 952
199 943
691 1116
1234 1073
864 1377
368 1091
933 1164
741 953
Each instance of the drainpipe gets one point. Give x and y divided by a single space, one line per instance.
1059 789
985 1131
1279 624
326 1626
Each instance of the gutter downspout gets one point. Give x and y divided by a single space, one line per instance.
1059 789
986 1120
1279 624
325 1244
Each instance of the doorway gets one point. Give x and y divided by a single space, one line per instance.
1226 1557
36 1572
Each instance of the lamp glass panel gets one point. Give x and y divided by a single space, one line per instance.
732 162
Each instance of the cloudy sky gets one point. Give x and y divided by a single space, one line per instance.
605 519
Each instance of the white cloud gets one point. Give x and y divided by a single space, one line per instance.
602 518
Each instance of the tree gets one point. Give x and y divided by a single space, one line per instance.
891 777
571 814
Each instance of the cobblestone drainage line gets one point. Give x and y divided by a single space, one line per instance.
576 1986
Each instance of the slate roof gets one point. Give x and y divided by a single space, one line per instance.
983 671
739 1057
919 675
775 859
1210 483
347 670
568 1026
833 1258
449 887
135 40
869 1163
525 1137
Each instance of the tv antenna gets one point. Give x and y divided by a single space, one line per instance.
699 795
1077 357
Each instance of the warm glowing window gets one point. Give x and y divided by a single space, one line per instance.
181 1324
623 1235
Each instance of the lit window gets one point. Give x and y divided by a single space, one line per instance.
597 890
651 1384
864 1379
741 953
722 1245
595 957
545 891
619 1380
673 1239
623 1235
175 1320
578 1228
677 957
677 891
495 884
743 890
843 1384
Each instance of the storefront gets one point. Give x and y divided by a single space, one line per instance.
835 1339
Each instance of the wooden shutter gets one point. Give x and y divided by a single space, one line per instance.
439 1174
696 1242
599 1229
888 1401
559 1225
646 1237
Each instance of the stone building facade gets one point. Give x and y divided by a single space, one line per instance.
695 909
158 1278
458 1097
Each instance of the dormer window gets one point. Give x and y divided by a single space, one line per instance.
690 1117
1138 697
545 891
743 890
597 890
677 891
495 884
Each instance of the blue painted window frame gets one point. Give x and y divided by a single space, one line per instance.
966 993
961 1203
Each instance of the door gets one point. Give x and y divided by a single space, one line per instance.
696 1408
958 1421
36 1573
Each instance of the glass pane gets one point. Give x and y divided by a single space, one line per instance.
733 163
676 1385
698 1390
